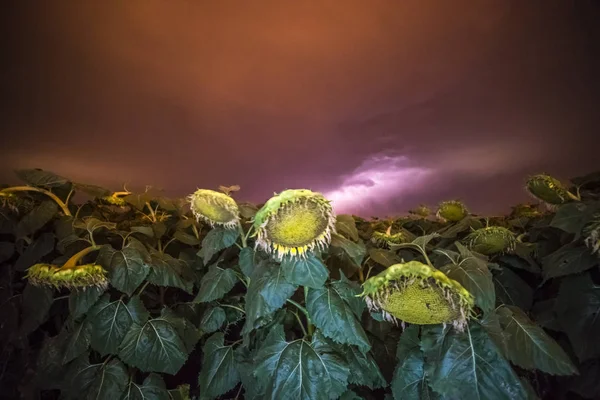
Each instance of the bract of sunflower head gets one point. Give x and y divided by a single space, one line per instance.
452 210
592 234
416 293
294 222
214 208
384 239
80 276
492 240
548 189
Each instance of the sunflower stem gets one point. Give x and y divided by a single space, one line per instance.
61 204
242 234
72 262
301 324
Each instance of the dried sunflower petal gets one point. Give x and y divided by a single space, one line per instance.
492 240
416 293
592 234
548 189
452 210
215 208
294 222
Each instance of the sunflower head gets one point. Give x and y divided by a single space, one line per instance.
214 208
548 189
115 200
385 239
452 211
592 234
294 222
421 210
416 293
492 240
80 276
525 210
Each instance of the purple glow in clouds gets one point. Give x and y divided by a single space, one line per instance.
376 181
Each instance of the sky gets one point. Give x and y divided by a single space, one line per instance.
379 105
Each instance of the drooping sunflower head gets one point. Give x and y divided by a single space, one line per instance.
80 276
592 234
385 239
294 222
421 210
548 189
452 211
492 240
416 293
214 208
525 210
115 200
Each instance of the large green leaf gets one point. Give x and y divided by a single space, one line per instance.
410 381
41 178
36 306
530 347
155 345
569 259
101 381
587 384
512 290
333 314
216 240
473 273
127 267
572 217
268 291
468 365
364 369
347 250
153 388
309 272
81 301
216 283
578 310
219 373
345 224
212 319
544 314
111 320
300 370
491 323
168 271
41 247
36 218
78 339
384 257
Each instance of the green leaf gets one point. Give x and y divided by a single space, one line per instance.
410 381
36 218
92 224
186 238
77 341
587 384
544 313
467 365
81 301
268 291
350 395
512 290
127 267
465 224
153 388
155 345
364 369
247 260
216 240
215 284
309 272
334 316
212 320
300 370
43 246
346 249
523 261
568 260
384 257
40 178
572 217
578 310
181 392
474 275
491 323
111 320
168 271
49 367
345 224
219 373
96 381
36 306
530 347
92 190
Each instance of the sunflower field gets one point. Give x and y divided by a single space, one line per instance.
138 296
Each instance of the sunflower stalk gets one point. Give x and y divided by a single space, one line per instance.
63 206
